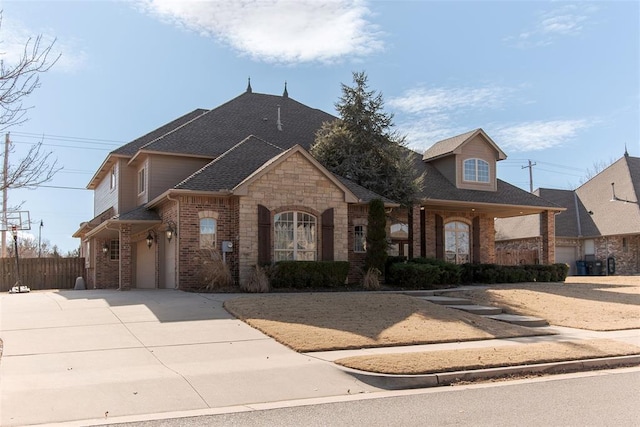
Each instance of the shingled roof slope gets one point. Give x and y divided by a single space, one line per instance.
233 167
450 145
576 220
215 132
132 147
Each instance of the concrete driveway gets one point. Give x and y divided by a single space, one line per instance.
91 354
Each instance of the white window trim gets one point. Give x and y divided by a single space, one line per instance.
215 231
294 244
364 239
476 162
142 180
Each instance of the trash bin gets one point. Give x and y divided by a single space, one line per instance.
611 266
598 269
590 267
581 268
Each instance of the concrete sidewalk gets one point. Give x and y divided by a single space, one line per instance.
102 354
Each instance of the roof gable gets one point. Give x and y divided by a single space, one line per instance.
453 145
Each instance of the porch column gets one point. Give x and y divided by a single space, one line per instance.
126 264
414 231
548 233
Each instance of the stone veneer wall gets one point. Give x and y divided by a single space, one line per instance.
293 184
627 257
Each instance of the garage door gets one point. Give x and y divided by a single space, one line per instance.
567 255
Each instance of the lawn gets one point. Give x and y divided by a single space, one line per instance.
309 322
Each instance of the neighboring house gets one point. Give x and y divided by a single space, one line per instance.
239 178
601 223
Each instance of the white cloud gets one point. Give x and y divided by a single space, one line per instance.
287 31
567 20
538 135
431 100
16 36
429 114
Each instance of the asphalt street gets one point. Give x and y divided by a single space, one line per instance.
600 398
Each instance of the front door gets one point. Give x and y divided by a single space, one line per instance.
145 266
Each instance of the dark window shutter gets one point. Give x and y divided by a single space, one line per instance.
476 240
327 235
439 237
264 235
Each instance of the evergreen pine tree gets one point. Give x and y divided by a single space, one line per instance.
362 147
376 236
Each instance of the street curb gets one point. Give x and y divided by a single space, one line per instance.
401 382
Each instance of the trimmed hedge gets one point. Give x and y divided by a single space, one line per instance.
422 273
308 274
493 273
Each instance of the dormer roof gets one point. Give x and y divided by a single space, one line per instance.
454 145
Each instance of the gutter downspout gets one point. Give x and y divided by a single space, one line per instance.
177 248
579 224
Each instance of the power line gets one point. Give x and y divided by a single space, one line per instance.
63 146
43 136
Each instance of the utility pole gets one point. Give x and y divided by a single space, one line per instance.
5 173
40 239
530 166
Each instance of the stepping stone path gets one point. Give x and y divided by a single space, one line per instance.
495 313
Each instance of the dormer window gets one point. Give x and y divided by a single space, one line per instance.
476 170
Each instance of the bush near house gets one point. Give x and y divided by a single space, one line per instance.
493 273
309 274
426 273
422 273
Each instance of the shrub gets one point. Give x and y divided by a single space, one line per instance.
309 274
257 282
414 275
371 280
492 273
212 271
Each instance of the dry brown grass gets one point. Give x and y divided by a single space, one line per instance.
334 321
481 358
593 303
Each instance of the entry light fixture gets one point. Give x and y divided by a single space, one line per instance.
105 249
151 238
171 230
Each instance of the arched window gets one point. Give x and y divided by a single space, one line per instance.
476 170
456 242
295 236
208 228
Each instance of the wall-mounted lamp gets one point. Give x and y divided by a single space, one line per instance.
151 237
171 230
105 249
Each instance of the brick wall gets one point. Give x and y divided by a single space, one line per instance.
106 271
487 232
190 256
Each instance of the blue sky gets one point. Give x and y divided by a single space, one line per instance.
552 82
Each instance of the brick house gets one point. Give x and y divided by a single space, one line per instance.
601 223
239 178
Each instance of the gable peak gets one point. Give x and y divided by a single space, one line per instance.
249 89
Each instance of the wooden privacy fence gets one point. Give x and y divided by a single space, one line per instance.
517 256
41 273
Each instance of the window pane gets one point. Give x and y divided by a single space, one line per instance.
483 171
470 170
295 236
360 239
207 233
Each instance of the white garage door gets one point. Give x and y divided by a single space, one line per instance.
567 255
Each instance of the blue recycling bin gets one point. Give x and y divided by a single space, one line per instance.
581 267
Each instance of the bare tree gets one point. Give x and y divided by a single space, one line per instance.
17 81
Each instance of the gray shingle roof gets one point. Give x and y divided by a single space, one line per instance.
141 213
131 148
437 187
576 220
233 167
218 130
